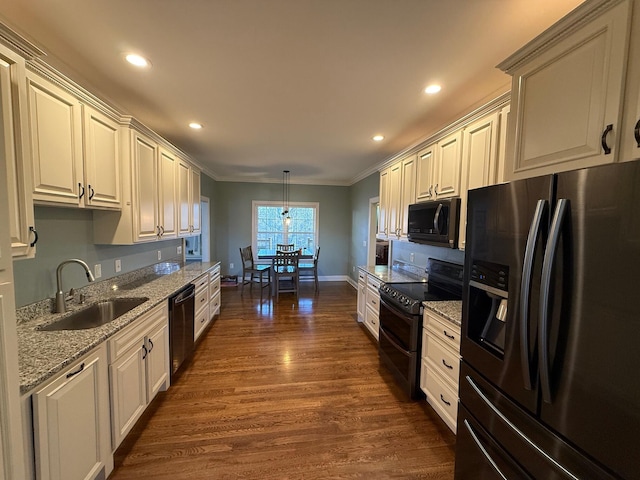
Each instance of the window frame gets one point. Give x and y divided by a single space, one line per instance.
270 203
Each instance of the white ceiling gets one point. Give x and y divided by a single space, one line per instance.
287 84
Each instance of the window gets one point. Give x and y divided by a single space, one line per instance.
270 229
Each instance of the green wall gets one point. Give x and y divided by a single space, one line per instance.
66 233
209 189
361 193
233 221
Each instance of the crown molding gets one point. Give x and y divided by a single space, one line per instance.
19 44
560 30
294 181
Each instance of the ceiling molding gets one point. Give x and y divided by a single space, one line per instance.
555 34
19 44
294 181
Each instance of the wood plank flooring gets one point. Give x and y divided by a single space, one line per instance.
287 390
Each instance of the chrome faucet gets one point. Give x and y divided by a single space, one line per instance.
61 305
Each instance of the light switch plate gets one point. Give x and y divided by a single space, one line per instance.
159 254
97 270
179 249
118 265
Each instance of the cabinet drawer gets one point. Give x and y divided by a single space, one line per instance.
371 321
373 283
440 396
135 333
200 321
201 282
362 277
214 305
443 330
202 300
373 300
214 287
446 360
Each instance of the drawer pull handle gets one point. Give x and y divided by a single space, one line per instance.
447 365
80 368
444 401
636 133
605 147
447 335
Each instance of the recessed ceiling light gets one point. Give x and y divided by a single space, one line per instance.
137 60
431 89
378 138
195 125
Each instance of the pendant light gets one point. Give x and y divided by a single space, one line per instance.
285 197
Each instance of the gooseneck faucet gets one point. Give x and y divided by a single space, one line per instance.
61 305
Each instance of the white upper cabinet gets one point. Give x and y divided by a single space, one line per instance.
630 134
195 200
145 187
407 193
75 149
397 192
16 151
101 160
56 142
383 210
168 193
188 199
566 93
479 162
424 181
447 166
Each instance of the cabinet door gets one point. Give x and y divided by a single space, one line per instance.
479 162
56 143
158 358
447 167
395 184
424 181
101 160
383 213
195 200
362 295
13 130
168 194
184 199
69 422
145 188
564 99
407 192
630 132
128 390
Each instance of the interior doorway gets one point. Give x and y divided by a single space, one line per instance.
374 209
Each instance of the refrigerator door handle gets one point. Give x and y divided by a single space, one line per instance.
483 450
436 219
525 290
545 286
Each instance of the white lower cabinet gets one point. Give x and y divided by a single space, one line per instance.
71 422
201 318
214 291
362 294
372 309
138 369
440 366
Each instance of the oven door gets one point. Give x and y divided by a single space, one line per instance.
397 332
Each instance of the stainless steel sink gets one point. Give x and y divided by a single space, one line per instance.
100 313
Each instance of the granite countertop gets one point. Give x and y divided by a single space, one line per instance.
450 310
388 275
42 354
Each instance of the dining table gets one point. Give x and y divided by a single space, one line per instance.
268 254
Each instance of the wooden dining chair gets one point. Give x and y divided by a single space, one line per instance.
285 272
311 267
262 272
285 247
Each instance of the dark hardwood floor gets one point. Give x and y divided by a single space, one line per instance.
287 390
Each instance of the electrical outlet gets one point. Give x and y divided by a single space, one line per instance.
411 257
97 270
364 243
231 266
118 265
159 254
179 249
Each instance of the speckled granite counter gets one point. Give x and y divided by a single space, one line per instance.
388 275
450 310
42 354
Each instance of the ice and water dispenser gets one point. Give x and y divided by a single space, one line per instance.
487 312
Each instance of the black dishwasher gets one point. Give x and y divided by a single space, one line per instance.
181 310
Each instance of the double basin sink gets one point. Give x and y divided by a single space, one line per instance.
96 314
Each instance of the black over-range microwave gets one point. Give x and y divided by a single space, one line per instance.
435 222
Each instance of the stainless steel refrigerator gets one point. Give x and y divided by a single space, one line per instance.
550 372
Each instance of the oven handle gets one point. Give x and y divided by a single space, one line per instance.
396 346
405 316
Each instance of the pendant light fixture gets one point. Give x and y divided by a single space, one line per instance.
285 197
